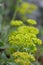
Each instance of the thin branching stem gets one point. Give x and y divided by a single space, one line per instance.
16 9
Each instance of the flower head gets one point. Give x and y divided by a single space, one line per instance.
16 23
31 21
23 57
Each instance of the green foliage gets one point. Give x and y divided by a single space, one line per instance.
1 44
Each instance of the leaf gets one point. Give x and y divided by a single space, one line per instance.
1 44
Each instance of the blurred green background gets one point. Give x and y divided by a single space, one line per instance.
13 9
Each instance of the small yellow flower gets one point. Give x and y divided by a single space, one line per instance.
16 23
23 57
33 30
17 60
37 41
31 21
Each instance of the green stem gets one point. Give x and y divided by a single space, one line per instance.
16 9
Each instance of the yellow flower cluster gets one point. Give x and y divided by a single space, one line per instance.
37 41
31 21
32 8
16 23
23 58
28 29
26 7
17 39
25 37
